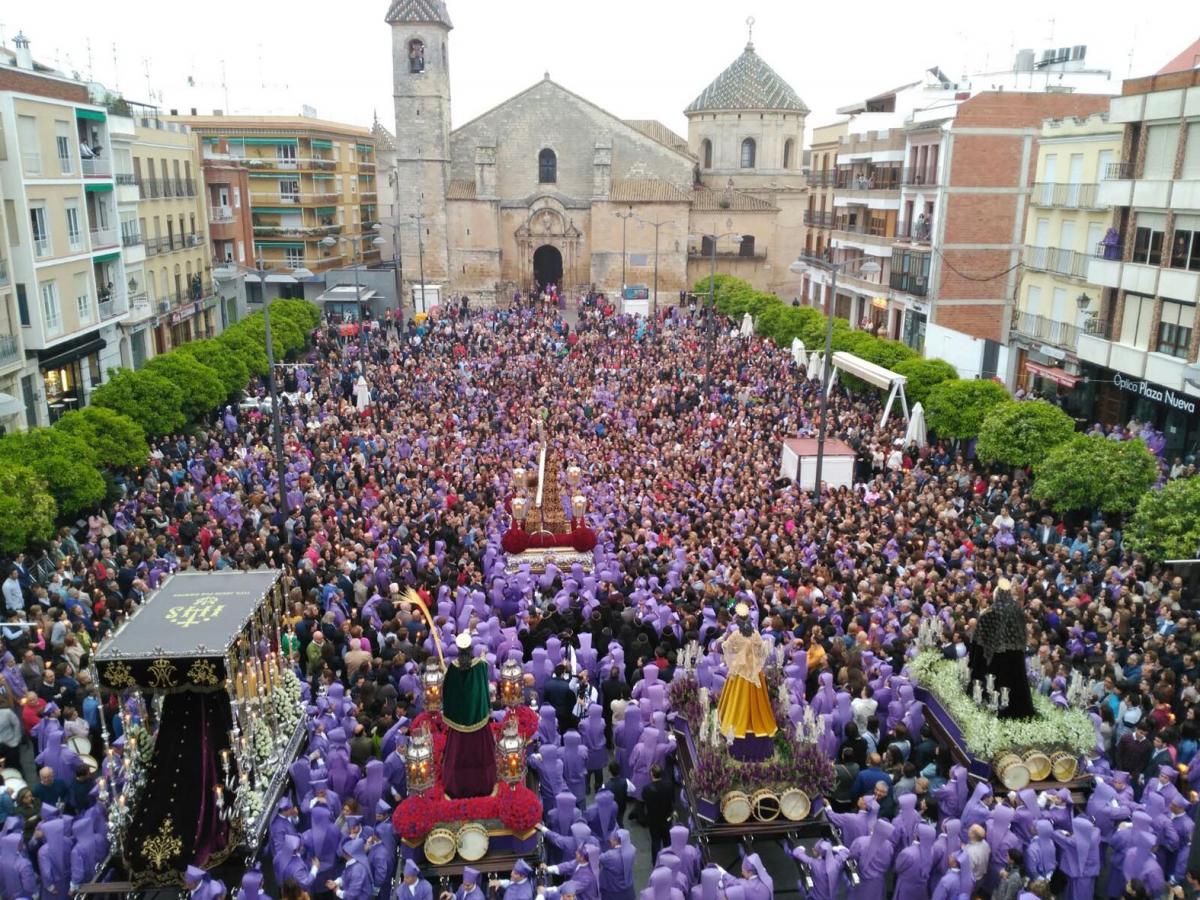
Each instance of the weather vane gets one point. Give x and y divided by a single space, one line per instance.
750 29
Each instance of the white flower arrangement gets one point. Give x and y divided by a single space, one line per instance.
288 709
251 803
262 742
986 735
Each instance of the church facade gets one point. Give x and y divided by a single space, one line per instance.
548 187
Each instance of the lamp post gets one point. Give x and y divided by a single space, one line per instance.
803 263
418 217
711 323
397 262
624 217
657 224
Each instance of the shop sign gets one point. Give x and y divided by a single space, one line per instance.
1156 393
183 312
879 302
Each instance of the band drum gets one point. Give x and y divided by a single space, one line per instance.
472 842
1012 772
765 804
1064 766
795 805
14 781
736 807
1038 764
440 846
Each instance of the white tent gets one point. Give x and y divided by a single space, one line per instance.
747 325
916 433
872 374
798 351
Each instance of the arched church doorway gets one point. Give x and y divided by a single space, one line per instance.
547 266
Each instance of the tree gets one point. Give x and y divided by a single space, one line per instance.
117 441
152 401
252 353
1166 523
64 461
223 360
27 510
956 408
1021 432
1089 473
922 375
201 386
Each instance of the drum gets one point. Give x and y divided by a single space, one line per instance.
765 804
1064 766
13 780
794 804
89 761
1038 764
736 807
1012 772
440 846
81 744
472 842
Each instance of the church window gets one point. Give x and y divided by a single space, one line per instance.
787 153
706 152
706 245
748 153
746 247
547 167
416 56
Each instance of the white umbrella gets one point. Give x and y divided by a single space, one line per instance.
798 351
362 394
916 433
747 325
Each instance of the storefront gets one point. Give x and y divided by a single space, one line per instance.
69 371
1115 399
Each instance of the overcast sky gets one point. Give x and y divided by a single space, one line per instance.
636 58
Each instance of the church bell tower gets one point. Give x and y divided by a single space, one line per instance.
421 88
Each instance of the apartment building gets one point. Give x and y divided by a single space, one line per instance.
12 353
64 246
1139 355
308 180
822 176
1066 222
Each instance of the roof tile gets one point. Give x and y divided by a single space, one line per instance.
749 83
433 11
646 190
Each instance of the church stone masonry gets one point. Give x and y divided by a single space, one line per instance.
532 188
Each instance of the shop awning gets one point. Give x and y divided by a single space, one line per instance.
98 187
107 257
53 357
266 142
96 115
321 145
1058 376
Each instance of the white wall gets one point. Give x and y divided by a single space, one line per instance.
962 351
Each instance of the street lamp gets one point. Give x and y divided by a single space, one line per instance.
624 217
418 217
397 261
712 296
657 224
803 263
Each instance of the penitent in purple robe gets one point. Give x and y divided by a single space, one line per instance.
874 854
914 865
1079 858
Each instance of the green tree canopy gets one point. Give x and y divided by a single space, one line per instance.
152 401
1166 523
201 386
956 408
922 375
251 352
1022 432
1088 472
64 461
117 441
27 510
223 360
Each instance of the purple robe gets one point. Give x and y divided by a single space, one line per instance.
825 867
1041 854
914 865
616 869
17 874
1079 858
575 765
874 854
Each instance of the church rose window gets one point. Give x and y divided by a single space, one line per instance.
547 167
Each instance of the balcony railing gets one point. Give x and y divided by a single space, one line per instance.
41 247
157 245
917 232
3 271
1097 327
822 179
889 178
112 307
139 305
818 219
10 349
149 189
125 178
841 223
918 285
220 215
131 238
1111 251
96 167
1052 259
1066 196
104 237
920 177
1121 171
698 253
1051 331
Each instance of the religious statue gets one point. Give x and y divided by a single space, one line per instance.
997 657
469 764
745 707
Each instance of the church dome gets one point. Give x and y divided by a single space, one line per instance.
418 12
748 84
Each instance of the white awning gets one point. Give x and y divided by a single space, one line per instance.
867 371
10 406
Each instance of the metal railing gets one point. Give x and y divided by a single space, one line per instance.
104 237
221 215
149 189
1097 327
918 285
1067 196
1112 252
759 252
10 349
920 177
1053 259
818 219
158 245
1052 331
131 238
841 223
916 232
3 271
823 178
139 304
879 179
112 307
96 167
1118 171
125 178
41 247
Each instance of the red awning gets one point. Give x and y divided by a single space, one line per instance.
1058 376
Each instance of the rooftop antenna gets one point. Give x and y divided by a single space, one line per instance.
3 40
116 69
1050 37
1133 43
146 71
89 57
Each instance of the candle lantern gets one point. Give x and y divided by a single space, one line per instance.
519 480
432 682
512 678
511 752
418 760
574 475
578 506
520 508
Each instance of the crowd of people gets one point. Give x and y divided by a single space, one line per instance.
678 427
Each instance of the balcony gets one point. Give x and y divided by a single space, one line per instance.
874 234
3 271
149 189
10 350
269 197
104 237
757 252
112 306
1104 266
96 167
878 179
221 215
1066 196
909 283
1122 171
41 247
1061 262
125 178
915 233
1049 331
818 219
139 306
821 179
131 238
